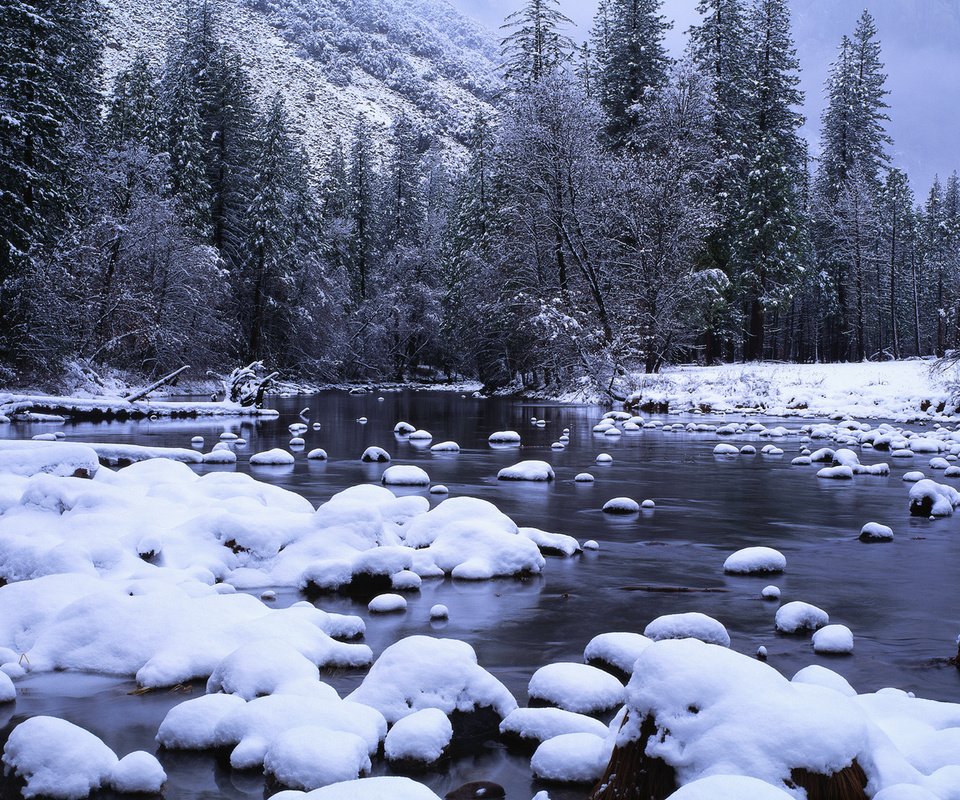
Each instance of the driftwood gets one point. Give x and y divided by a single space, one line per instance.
156 384
245 387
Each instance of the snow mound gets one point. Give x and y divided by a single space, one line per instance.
931 499
690 625
621 505
191 725
827 678
423 672
575 687
58 759
835 639
729 787
317 454
421 435
913 476
800 617
420 738
755 561
405 475
604 458
387 603
529 725
138 772
617 650
380 788
422 530
375 455
275 457
308 757
261 668
445 447
724 449
479 550
571 758
527 471
504 437
841 473
403 428
25 458
554 544
875 532
584 477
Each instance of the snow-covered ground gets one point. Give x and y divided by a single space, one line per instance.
898 390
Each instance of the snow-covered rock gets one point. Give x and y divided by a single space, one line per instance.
420 739
621 505
387 603
584 477
527 471
375 455
317 454
552 544
931 499
310 756
445 447
875 532
616 652
834 639
575 687
530 726
689 625
755 561
275 457
504 437
571 758
405 475
800 617
729 787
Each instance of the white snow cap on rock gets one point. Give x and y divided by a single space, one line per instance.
422 737
755 561
540 724
621 505
800 617
571 758
445 447
375 455
405 475
835 639
379 788
618 649
309 756
275 457
690 625
527 471
504 437
928 498
729 787
576 687
423 672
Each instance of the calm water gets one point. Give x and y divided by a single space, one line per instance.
899 599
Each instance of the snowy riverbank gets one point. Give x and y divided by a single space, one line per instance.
897 390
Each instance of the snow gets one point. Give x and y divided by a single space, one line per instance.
576 687
931 499
379 788
540 724
445 447
619 650
405 475
403 428
913 476
621 505
387 603
821 676
309 756
836 473
120 407
835 639
423 672
20 457
604 458
275 457
551 543
439 488
800 617
421 737
192 725
584 477
138 772
571 758
770 592
58 759
527 471
729 787
724 449
421 435
478 550
691 624
439 611
504 437
317 454
260 668
375 454
875 532
755 561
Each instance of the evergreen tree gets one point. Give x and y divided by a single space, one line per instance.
133 115
771 247
362 183
535 46
632 63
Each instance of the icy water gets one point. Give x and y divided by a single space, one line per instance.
900 599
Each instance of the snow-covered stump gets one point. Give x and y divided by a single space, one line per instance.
711 721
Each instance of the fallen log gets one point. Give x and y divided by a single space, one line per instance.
156 384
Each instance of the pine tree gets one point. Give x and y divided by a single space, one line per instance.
535 46
362 211
632 63
133 113
403 199
50 54
771 245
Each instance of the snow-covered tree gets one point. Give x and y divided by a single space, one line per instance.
535 45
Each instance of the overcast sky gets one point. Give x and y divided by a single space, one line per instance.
920 45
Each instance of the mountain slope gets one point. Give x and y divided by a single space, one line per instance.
335 59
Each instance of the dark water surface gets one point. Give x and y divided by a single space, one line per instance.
899 599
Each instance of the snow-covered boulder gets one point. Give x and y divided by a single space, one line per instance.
423 672
387 604
621 505
385 787
403 429
724 449
191 725
275 457
552 544
375 455
504 437
875 532
755 561
525 728
584 477
729 787
800 617
405 475
931 499
445 447
421 435
419 740
261 668
616 652
571 758
309 756
527 471
833 639
689 625
575 687
842 473
317 454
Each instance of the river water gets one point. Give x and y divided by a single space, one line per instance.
899 598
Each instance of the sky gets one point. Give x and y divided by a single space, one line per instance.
919 47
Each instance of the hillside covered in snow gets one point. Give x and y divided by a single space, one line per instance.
333 60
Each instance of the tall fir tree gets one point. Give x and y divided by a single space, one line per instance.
362 212
632 64
535 45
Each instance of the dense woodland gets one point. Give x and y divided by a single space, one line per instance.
620 211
